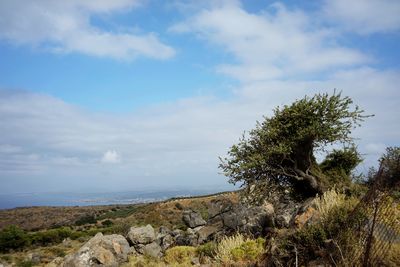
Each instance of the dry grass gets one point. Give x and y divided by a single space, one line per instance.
223 252
329 200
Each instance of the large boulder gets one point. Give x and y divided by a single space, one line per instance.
218 206
101 250
153 250
207 232
248 219
193 219
142 235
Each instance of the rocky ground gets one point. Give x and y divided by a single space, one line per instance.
181 232
153 228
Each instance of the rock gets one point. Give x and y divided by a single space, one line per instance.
108 250
268 208
306 218
166 242
188 238
141 235
153 250
193 219
176 232
164 230
195 261
283 220
218 206
34 258
245 219
206 233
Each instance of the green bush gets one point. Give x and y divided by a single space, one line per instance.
52 236
89 219
207 250
107 223
250 250
12 237
26 263
180 255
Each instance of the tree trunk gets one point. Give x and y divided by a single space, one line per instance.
304 162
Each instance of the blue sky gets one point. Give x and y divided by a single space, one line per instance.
130 94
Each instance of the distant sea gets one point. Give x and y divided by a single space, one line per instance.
8 201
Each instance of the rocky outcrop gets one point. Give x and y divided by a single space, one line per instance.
249 220
193 219
141 235
101 250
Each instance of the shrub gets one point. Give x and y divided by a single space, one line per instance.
238 249
88 219
180 255
107 223
250 250
51 236
26 263
207 250
12 237
328 201
224 248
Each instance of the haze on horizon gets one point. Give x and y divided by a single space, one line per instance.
131 94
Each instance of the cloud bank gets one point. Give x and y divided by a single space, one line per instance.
66 27
278 55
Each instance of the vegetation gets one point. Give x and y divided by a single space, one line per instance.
12 237
180 255
237 248
280 152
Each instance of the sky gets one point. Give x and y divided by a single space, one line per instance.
122 95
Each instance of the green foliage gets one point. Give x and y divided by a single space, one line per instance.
12 237
250 250
334 226
52 236
280 150
344 160
237 248
107 223
88 219
180 255
118 213
207 250
390 163
25 263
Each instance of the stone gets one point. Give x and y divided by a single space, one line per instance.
153 250
103 250
34 258
166 242
176 232
283 220
218 206
247 219
306 218
141 235
164 230
206 233
193 219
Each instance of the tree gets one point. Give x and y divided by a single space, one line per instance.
389 170
12 237
280 152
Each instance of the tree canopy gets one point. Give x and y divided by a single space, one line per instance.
280 152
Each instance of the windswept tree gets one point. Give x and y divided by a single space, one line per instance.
280 152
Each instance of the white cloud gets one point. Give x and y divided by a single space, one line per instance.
175 144
277 43
111 156
65 27
364 16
